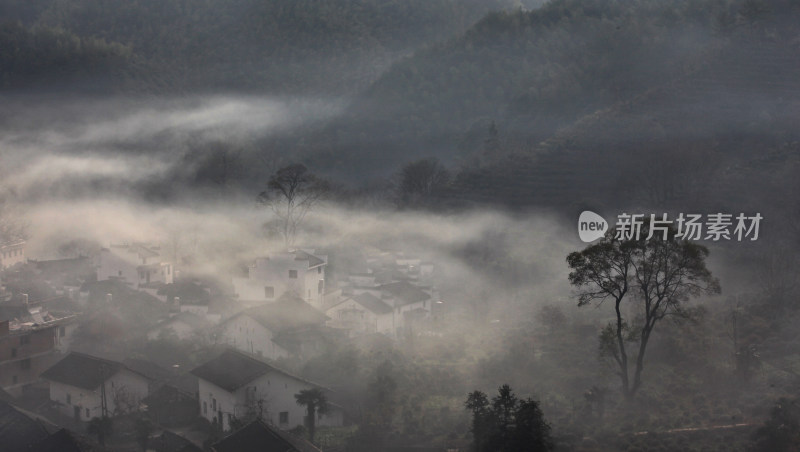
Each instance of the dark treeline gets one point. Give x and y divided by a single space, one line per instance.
274 47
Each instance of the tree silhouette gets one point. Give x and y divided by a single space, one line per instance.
507 423
315 402
291 193
658 274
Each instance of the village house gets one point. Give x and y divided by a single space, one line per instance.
184 325
31 338
259 330
409 303
236 385
12 253
299 271
137 265
81 385
362 314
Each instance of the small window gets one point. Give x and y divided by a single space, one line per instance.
293 274
69 399
25 364
88 415
14 379
319 270
284 417
205 408
24 340
13 352
62 331
214 404
119 273
269 292
319 287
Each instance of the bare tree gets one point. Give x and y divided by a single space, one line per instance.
420 181
124 401
291 193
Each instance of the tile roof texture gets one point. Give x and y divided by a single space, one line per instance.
260 437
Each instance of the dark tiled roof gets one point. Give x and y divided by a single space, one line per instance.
289 311
147 368
233 369
405 292
84 371
62 441
171 442
372 303
5 396
18 431
260 437
313 261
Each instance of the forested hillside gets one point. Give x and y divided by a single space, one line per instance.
276 47
575 101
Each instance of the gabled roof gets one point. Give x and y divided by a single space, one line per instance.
288 312
194 321
313 261
83 371
260 437
18 431
372 303
62 441
147 368
369 302
172 442
233 369
5 396
405 292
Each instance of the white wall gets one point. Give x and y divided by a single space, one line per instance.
274 272
342 316
275 390
114 265
245 334
124 383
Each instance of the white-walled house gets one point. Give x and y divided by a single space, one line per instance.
363 313
78 382
137 265
255 330
299 271
238 385
409 302
12 253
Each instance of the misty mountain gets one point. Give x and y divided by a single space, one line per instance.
531 71
572 104
724 122
275 47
